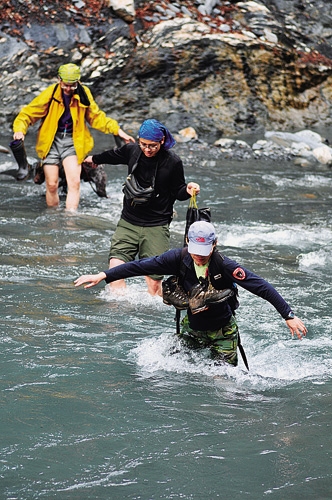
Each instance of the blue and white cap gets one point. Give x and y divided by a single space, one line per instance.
201 236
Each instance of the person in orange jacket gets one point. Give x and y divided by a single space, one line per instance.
65 109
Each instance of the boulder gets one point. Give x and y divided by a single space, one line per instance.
123 8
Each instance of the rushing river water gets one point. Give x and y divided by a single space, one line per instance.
94 405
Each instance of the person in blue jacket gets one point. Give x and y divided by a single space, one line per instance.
206 284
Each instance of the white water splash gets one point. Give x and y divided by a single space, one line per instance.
297 236
320 259
275 365
308 181
134 294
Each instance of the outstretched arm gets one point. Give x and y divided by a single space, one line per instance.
262 288
91 279
127 138
297 326
166 263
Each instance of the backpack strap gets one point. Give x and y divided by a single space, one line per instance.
177 319
183 268
136 162
182 274
153 180
49 102
243 354
217 260
82 95
52 96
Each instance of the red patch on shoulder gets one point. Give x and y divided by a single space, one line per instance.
239 273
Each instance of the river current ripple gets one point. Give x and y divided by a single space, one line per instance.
94 405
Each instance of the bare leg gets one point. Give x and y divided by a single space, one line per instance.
120 283
73 176
154 286
52 181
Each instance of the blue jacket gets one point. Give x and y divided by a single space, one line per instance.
224 273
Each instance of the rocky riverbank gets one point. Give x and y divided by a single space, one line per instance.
222 67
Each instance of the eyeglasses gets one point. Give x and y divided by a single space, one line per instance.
152 147
71 86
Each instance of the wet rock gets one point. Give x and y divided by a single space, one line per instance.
269 36
323 154
123 8
303 162
224 143
308 137
305 144
56 35
186 134
4 150
303 148
10 46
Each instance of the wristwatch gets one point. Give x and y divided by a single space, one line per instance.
290 315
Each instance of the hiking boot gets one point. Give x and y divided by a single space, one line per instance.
174 294
213 296
96 174
39 176
203 294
